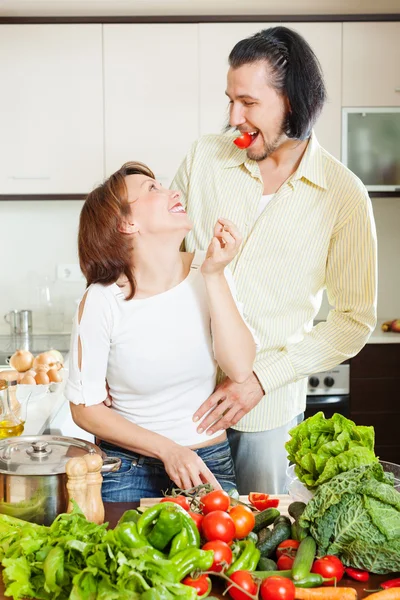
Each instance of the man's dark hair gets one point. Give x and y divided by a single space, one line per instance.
295 72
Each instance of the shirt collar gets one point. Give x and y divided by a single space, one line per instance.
311 166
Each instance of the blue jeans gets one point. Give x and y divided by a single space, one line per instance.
145 477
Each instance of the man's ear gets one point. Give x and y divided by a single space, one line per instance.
127 227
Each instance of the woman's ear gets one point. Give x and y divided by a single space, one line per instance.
127 227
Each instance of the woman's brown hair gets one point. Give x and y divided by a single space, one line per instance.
105 252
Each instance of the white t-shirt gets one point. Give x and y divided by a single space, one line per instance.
155 353
263 203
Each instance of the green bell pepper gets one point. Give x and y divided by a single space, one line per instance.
147 519
168 524
179 542
247 559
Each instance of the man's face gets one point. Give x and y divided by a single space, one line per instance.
256 107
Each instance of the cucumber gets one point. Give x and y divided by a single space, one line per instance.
280 533
265 518
266 564
304 558
295 510
263 535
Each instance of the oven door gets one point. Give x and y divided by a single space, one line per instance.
328 405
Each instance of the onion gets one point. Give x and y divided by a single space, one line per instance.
46 358
10 375
54 375
21 360
42 378
57 355
42 368
28 380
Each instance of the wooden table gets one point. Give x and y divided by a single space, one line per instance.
114 511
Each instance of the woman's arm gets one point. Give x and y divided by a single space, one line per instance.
183 466
234 345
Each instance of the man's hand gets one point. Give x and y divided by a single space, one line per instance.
228 404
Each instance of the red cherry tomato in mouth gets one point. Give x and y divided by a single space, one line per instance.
243 141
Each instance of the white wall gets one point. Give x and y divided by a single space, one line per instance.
36 236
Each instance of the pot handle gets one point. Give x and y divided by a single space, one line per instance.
110 464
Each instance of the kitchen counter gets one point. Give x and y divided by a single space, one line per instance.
42 411
113 511
383 337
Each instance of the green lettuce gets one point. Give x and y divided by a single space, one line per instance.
356 516
322 448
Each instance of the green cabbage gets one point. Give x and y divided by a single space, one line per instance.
322 448
356 516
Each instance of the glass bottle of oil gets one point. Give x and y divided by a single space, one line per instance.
10 423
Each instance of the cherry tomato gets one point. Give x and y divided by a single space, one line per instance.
262 501
216 500
329 566
277 588
218 525
246 582
181 500
201 584
287 548
197 518
243 141
222 555
285 563
243 519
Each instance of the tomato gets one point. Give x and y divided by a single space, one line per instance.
277 588
197 518
262 501
216 500
201 584
329 566
243 141
243 519
287 548
181 500
222 555
245 581
285 563
218 525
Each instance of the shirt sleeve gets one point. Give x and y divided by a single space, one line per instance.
351 283
87 382
232 287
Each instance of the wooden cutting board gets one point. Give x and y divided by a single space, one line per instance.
284 501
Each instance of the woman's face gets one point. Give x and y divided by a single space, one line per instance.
155 209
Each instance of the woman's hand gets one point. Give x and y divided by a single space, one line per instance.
186 468
223 247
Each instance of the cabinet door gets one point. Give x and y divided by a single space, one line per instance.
216 42
151 95
51 109
371 64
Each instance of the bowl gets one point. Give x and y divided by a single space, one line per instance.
298 491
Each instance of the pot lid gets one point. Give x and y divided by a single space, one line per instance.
41 454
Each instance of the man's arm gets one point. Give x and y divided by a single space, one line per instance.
351 281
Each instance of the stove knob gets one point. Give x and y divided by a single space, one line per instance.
329 381
314 382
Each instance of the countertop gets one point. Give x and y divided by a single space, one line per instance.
383 337
113 511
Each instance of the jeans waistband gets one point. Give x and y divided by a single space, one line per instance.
205 452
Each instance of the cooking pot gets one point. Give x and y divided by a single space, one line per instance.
32 474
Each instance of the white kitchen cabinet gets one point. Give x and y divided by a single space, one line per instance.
151 95
371 64
216 42
51 109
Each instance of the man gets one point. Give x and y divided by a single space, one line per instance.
307 224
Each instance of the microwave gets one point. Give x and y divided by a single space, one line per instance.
371 146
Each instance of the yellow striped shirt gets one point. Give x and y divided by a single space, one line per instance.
317 232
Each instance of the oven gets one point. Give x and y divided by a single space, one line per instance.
329 392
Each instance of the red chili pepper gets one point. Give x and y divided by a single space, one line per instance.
386 585
357 574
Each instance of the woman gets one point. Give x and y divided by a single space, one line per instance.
152 326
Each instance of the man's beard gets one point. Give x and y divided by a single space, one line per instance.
267 150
